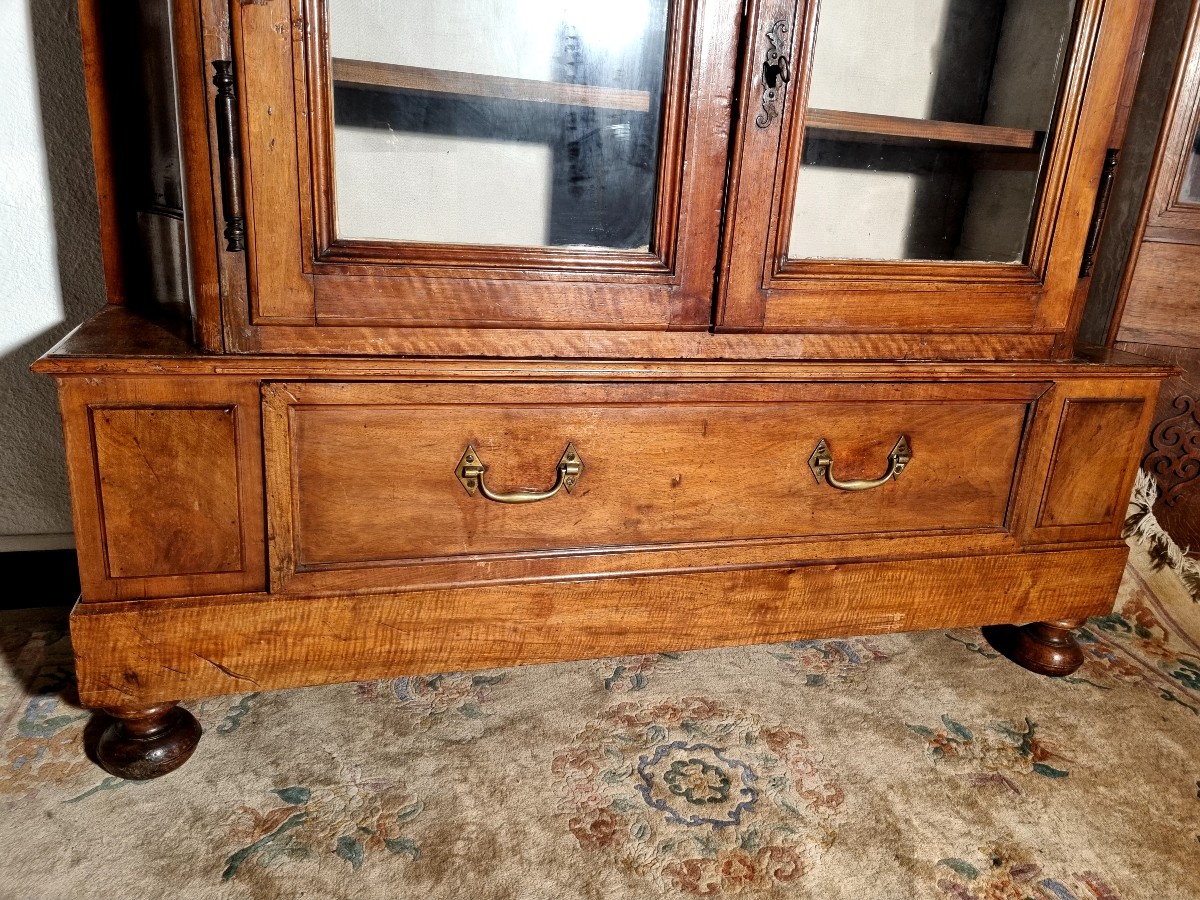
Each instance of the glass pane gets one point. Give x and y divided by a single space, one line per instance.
528 123
1189 192
926 128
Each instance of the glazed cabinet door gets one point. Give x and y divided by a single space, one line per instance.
1173 199
510 164
917 167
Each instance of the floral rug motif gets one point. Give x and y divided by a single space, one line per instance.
919 766
1009 872
997 753
822 662
697 795
349 819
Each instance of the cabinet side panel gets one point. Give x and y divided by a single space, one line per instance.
1160 306
168 490
1091 433
166 485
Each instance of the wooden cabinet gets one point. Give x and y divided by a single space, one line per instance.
521 332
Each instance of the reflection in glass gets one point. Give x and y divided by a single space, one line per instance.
512 122
926 129
1189 191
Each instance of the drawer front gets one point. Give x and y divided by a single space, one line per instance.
364 487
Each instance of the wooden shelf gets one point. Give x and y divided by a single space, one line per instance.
360 73
856 126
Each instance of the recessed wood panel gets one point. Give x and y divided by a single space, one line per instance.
168 490
1160 307
166 485
364 475
1096 439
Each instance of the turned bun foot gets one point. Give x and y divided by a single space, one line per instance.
147 742
1048 648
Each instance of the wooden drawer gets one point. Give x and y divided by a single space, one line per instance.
363 490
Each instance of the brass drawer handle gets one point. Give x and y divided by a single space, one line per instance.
471 470
821 463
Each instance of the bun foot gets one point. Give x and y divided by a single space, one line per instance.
147 742
1048 648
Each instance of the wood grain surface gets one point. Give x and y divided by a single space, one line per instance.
1163 302
166 485
363 475
163 514
836 123
142 652
1091 434
367 73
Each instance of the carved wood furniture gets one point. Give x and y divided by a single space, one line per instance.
714 327
1146 296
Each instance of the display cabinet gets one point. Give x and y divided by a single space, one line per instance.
521 332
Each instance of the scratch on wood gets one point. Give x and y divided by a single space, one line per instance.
120 688
227 671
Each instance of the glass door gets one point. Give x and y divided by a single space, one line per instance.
1173 209
514 163
932 163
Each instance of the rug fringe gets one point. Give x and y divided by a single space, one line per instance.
1142 526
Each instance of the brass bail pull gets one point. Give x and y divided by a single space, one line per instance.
821 464
471 469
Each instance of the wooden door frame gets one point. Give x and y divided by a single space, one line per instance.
292 290
760 291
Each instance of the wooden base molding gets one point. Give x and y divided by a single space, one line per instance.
144 652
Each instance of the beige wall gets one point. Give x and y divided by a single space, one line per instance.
50 271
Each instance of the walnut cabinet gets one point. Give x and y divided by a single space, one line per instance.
458 336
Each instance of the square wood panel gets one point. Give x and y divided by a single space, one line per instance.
168 485
1096 440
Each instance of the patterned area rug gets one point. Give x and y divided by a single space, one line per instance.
905 766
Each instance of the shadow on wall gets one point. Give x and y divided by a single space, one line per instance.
33 485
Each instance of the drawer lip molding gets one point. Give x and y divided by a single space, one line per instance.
363 493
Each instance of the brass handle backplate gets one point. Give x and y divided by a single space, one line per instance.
470 472
821 464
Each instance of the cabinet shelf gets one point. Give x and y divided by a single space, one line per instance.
856 126
361 73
